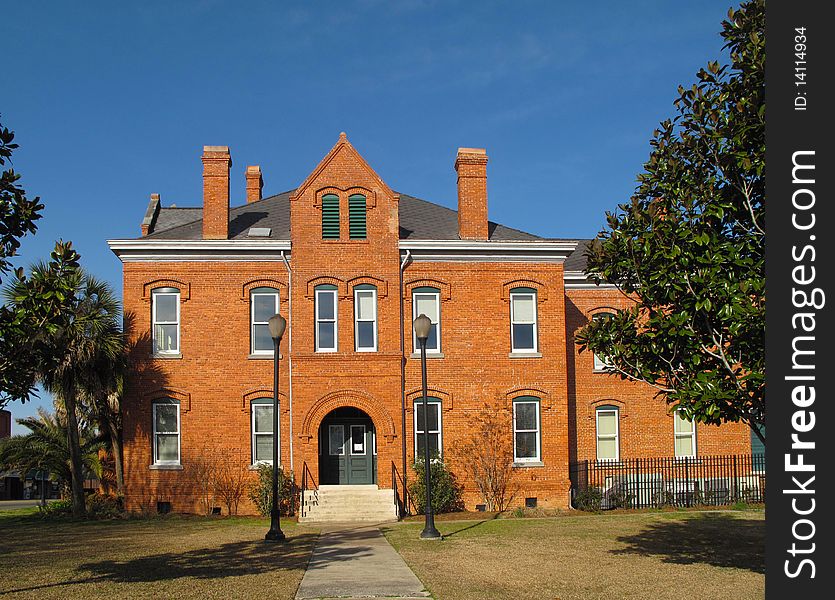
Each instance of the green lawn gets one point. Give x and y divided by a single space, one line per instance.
165 557
655 555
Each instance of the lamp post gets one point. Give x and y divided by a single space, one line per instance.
422 327
277 324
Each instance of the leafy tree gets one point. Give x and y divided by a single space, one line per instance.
24 327
689 248
76 360
446 491
45 447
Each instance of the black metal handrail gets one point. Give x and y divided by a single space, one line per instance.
308 483
403 503
668 481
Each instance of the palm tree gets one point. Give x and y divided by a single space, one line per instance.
45 447
79 360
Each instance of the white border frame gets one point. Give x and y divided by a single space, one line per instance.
357 320
535 323
437 321
538 431
253 322
155 293
440 432
335 321
269 403
677 434
597 411
154 433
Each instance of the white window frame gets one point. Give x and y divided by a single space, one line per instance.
351 442
357 319
682 435
435 319
155 433
600 365
440 430
254 434
342 447
538 431
598 435
253 322
335 320
154 322
513 322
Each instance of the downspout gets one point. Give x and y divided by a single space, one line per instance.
290 353
406 259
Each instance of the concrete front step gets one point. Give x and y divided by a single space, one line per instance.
345 503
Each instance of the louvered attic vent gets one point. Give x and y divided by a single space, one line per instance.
356 217
330 217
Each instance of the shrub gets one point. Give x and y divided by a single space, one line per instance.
56 509
446 491
261 491
487 456
588 499
230 484
103 506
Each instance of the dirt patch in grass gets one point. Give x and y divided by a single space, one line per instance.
170 557
663 555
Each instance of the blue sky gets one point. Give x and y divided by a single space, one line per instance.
113 101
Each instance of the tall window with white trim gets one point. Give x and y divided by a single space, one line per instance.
165 316
523 332
263 305
365 318
326 318
428 428
527 438
608 433
600 363
685 435
166 435
262 431
427 301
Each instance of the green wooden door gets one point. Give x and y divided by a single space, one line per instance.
347 451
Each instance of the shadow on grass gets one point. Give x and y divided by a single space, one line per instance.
718 540
471 526
227 560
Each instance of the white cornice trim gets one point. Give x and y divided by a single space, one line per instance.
198 250
488 251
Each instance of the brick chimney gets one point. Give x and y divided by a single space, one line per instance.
216 164
471 165
254 183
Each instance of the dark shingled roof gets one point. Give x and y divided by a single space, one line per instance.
576 261
419 220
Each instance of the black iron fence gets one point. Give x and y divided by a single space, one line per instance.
658 482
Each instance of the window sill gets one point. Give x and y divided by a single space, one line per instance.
166 467
604 370
260 464
428 355
167 356
270 356
522 465
525 355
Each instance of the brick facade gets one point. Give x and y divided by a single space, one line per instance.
214 377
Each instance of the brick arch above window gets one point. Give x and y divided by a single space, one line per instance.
517 392
509 286
169 393
442 286
264 392
367 403
343 193
149 286
601 310
250 285
341 288
600 403
381 285
417 394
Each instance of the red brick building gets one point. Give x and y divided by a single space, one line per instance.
350 262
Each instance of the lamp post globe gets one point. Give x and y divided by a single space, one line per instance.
276 324
423 326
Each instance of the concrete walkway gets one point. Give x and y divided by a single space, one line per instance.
356 561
